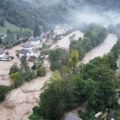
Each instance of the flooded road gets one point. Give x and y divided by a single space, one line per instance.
19 102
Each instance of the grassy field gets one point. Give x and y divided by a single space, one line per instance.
9 26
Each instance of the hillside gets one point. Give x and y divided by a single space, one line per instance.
47 13
9 26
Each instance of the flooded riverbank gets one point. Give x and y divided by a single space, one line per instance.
19 102
102 49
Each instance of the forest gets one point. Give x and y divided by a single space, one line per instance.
26 14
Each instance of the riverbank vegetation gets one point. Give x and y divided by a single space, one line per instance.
94 35
58 58
94 84
21 74
3 91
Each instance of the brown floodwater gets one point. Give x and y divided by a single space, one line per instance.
19 102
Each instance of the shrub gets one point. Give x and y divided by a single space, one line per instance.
41 72
16 79
28 75
3 92
14 69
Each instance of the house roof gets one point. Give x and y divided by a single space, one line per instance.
1 51
23 51
27 45
72 116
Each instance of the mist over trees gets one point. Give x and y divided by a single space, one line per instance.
24 13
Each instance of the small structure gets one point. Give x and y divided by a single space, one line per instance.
36 41
71 116
27 46
25 53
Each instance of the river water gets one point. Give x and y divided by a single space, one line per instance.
19 102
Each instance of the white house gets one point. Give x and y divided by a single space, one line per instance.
25 53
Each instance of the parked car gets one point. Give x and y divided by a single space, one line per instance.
6 58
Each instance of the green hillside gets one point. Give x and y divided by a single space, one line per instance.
9 26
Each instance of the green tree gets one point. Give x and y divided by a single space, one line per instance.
41 71
24 64
3 91
14 68
16 79
58 58
55 99
73 58
27 33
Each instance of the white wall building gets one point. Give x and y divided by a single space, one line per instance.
25 53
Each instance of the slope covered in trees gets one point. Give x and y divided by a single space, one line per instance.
26 13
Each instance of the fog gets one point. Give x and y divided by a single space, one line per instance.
87 16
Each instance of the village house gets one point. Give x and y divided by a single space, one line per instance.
25 53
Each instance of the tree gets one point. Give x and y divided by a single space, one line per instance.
24 64
41 72
13 69
3 91
27 33
16 79
36 32
58 58
73 58
54 100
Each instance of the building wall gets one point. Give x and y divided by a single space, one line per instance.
29 54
